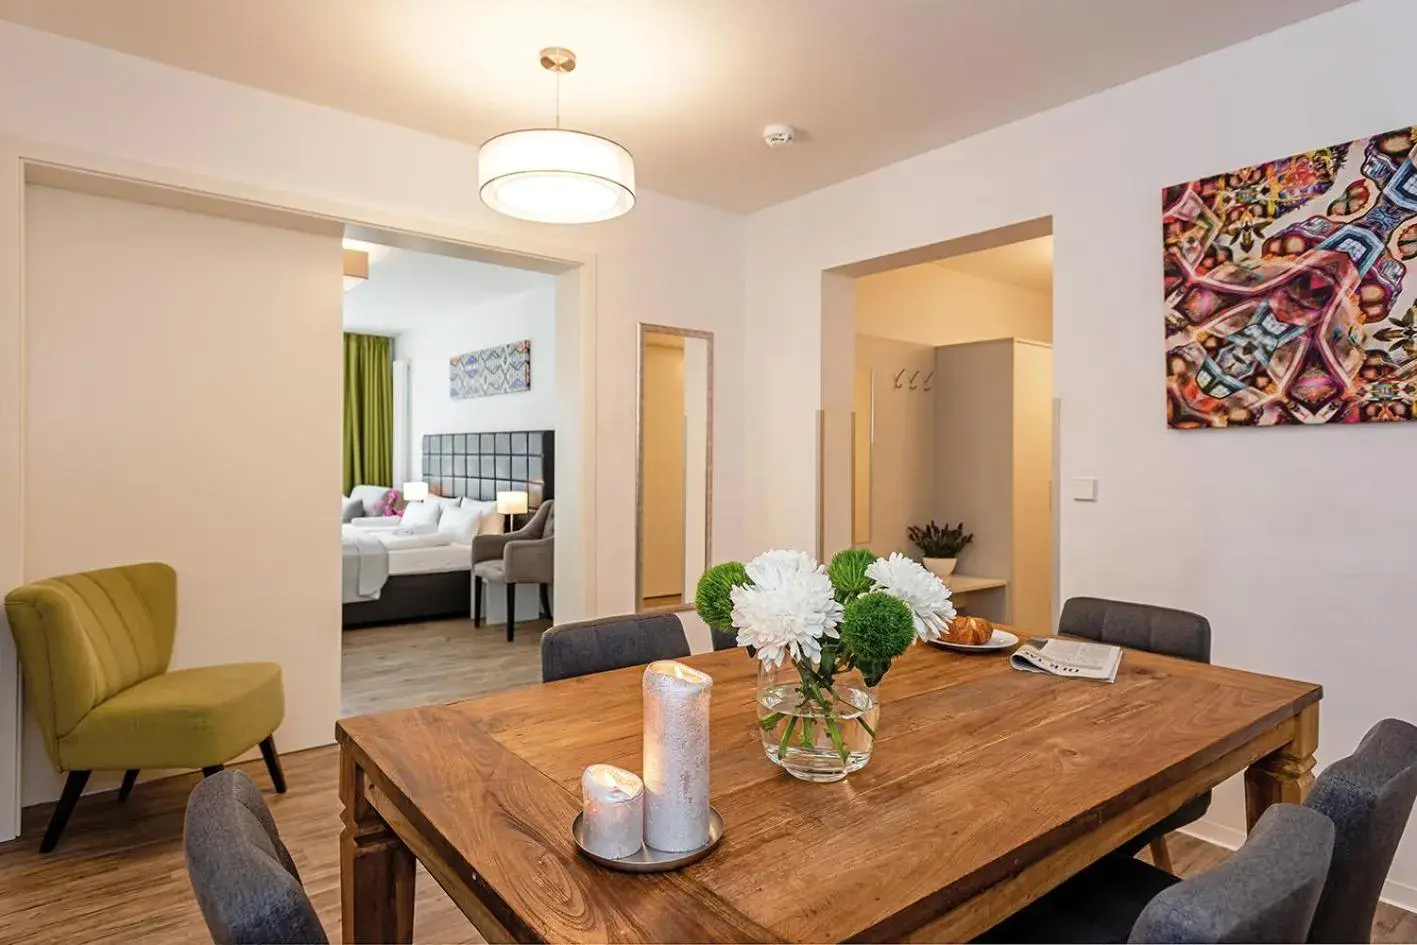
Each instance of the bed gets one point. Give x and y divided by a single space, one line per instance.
430 581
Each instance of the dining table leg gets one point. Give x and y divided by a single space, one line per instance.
376 869
1287 774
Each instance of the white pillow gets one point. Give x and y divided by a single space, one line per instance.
490 522
444 501
421 513
459 524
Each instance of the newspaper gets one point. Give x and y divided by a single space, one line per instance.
1068 658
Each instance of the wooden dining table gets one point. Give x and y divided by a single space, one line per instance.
987 788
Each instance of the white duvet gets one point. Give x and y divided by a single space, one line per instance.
404 539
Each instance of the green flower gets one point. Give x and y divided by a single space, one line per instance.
875 629
714 600
848 573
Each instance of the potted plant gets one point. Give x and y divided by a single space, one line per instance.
940 547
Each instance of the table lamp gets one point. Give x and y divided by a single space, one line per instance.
415 491
511 504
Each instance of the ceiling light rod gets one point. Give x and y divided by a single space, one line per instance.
558 60
555 175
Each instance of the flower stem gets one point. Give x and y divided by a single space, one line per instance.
786 737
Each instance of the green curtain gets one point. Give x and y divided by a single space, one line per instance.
368 411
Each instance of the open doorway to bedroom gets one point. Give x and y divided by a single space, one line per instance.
449 466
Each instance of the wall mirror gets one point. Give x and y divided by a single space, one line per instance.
674 483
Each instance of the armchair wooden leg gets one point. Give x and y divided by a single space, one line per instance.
73 790
476 601
210 770
546 602
268 752
511 611
1161 855
130 778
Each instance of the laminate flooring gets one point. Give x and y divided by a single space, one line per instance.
412 664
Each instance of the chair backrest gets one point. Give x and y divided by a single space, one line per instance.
83 638
243 876
548 529
1139 626
723 639
595 646
1368 796
1265 892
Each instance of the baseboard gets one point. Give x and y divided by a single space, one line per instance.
1401 895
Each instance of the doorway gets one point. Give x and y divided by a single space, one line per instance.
450 470
940 443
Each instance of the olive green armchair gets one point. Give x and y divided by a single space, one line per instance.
94 648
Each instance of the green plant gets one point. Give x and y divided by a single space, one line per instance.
936 542
875 629
713 599
847 573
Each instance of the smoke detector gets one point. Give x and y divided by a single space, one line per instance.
779 136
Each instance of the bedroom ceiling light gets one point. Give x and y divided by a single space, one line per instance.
356 267
555 175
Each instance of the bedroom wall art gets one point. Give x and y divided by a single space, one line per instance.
1290 289
503 369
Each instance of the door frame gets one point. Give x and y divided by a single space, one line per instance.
24 162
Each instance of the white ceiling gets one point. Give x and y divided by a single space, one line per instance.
408 290
686 85
1028 264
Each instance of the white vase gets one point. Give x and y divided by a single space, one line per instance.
940 567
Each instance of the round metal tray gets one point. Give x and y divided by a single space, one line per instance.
648 860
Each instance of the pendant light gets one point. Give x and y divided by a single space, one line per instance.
554 175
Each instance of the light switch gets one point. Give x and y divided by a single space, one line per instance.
1084 490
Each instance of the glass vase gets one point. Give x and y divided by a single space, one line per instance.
816 732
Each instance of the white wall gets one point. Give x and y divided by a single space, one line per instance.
143 323
442 302
667 262
932 305
903 471
1282 546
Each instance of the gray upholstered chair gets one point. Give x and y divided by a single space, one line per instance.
525 556
244 879
1266 891
595 646
1368 796
1156 630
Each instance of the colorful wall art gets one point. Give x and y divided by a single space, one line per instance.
1290 289
504 369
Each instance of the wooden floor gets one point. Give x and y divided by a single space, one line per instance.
118 875
441 661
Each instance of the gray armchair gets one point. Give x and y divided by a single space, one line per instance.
525 556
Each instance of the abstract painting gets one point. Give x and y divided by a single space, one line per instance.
504 369
1290 289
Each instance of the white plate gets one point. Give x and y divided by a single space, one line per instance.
1001 640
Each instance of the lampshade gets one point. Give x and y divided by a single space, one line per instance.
511 503
415 491
550 175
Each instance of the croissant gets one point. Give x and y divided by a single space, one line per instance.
970 631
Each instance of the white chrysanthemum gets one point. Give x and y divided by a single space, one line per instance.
925 594
788 608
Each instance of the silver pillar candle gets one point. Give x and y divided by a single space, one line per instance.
676 756
613 801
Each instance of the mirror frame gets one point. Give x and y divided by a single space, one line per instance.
644 329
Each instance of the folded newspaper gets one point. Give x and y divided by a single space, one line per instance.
1068 658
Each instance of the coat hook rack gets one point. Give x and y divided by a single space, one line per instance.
929 382
898 375
914 385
